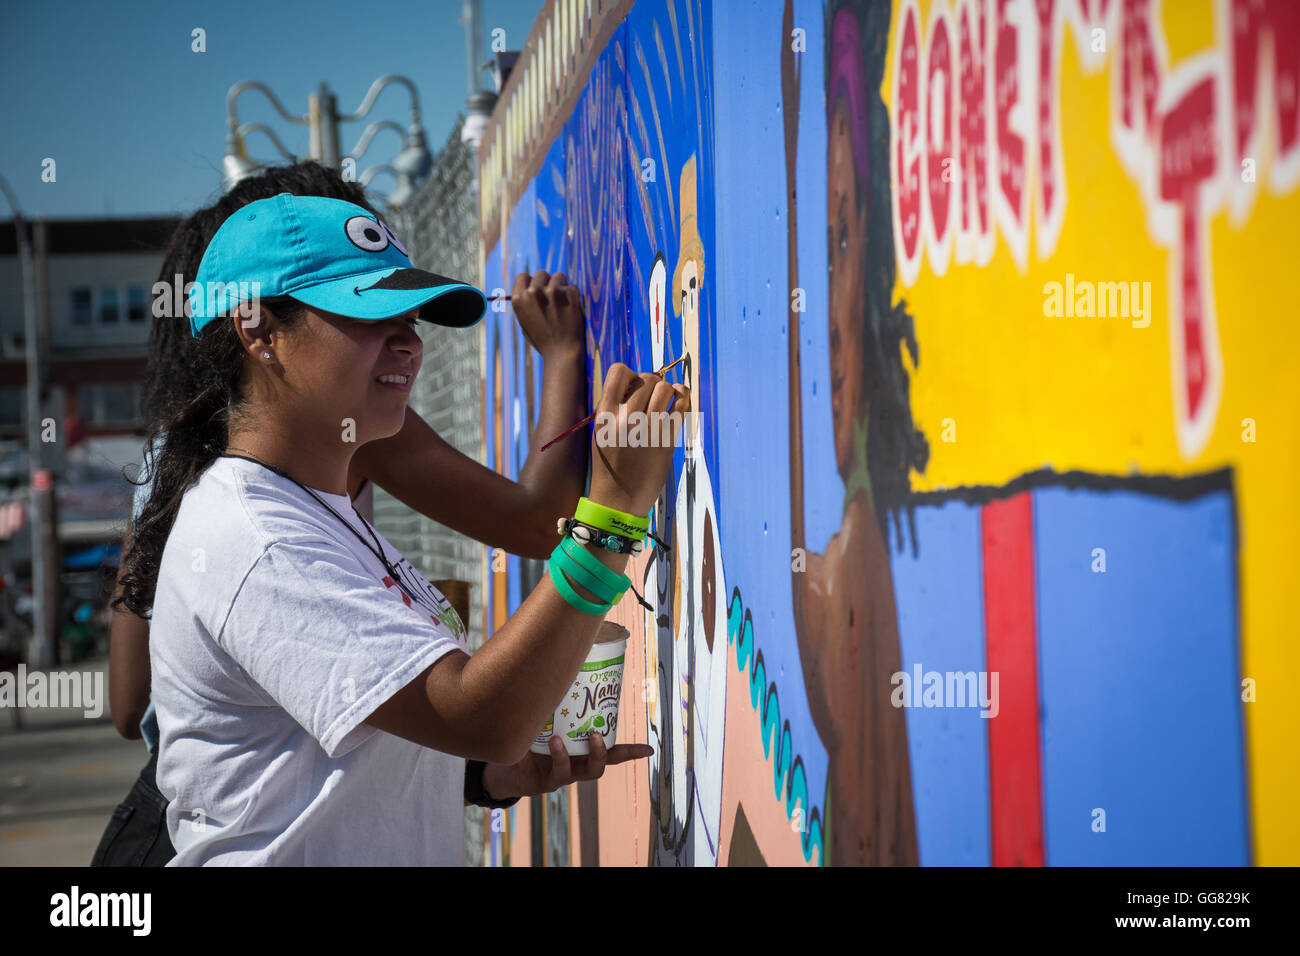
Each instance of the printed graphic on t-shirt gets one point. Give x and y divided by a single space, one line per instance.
415 585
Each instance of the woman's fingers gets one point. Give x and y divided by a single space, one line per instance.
545 290
538 288
557 287
661 396
560 768
658 397
682 402
529 293
595 758
639 399
618 378
564 770
624 752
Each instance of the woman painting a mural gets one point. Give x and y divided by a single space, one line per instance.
316 701
843 598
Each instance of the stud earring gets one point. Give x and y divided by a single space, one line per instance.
266 355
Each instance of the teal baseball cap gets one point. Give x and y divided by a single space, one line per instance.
329 254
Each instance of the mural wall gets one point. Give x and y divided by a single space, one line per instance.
982 537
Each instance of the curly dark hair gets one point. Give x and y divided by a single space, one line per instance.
895 445
192 390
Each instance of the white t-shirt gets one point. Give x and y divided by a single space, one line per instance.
275 633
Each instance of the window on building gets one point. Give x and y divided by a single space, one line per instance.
136 303
110 403
108 305
81 306
13 404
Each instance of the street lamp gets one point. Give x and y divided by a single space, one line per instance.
409 166
43 651
236 165
401 193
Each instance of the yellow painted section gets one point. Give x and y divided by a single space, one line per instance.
1096 394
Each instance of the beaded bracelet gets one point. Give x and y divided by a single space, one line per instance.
605 540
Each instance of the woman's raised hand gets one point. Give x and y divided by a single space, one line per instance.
549 311
632 448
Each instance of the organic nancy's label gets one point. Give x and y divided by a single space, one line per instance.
592 704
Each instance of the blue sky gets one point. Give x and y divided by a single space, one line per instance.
136 121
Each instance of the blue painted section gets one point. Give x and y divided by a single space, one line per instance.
940 601
1139 680
668 118
753 480
550 222
595 185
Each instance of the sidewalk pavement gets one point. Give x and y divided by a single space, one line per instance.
61 775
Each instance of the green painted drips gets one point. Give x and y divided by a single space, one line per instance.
859 477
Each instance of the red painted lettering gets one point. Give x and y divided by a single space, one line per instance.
940 110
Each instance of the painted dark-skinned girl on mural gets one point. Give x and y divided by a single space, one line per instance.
843 598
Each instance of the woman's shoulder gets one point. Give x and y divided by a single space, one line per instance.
278 510
212 509
229 519
236 512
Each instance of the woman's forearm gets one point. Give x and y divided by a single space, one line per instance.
128 666
496 782
519 675
555 478
128 672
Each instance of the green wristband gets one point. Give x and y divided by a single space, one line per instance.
607 519
580 575
611 579
572 596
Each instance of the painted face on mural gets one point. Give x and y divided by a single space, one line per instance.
845 234
658 295
690 292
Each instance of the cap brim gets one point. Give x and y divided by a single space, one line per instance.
386 293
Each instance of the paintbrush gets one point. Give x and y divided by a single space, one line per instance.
508 298
628 394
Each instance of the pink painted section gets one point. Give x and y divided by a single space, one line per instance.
747 782
624 790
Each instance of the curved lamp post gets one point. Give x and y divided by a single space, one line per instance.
409 166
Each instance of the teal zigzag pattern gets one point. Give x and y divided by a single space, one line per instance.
787 769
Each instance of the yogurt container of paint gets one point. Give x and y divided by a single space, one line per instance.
590 705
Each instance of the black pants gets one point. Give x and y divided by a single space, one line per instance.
137 832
